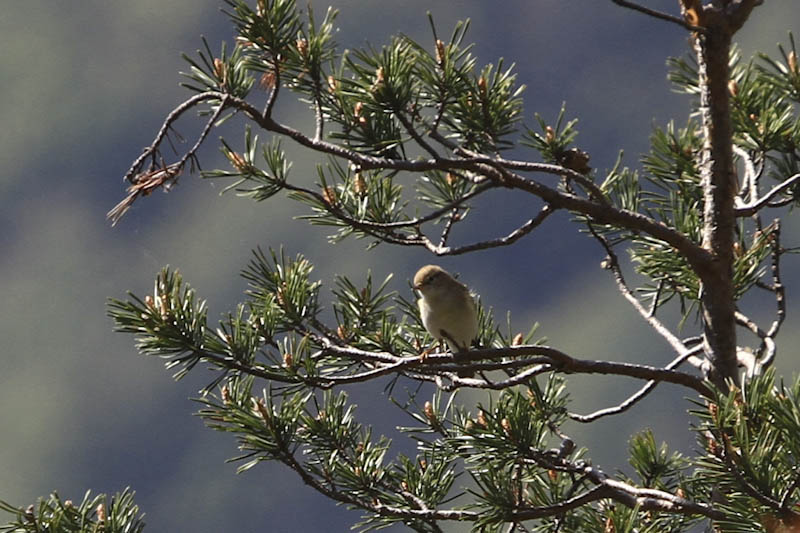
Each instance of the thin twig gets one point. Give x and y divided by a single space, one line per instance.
147 182
173 116
612 263
658 14
602 213
764 201
511 238
636 397
656 297
273 95
416 136
451 219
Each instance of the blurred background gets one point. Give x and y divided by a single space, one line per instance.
85 86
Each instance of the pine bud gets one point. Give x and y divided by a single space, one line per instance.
244 43
517 340
329 195
238 161
430 414
440 51
359 184
404 485
481 419
609 527
733 88
451 178
162 304
423 464
322 415
261 7
379 77
482 86
267 81
506 425
341 332
302 47
101 512
549 134
149 302
552 474
68 504
712 445
713 409
261 408
219 69
792 63
691 13
680 493
288 360
226 395
357 109
332 84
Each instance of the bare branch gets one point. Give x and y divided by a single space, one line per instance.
511 238
594 494
639 395
173 116
753 207
494 170
146 182
624 493
750 181
658 14
276 86
612 263
562 362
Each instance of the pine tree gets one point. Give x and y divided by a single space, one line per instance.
415 133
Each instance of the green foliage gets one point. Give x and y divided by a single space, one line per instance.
94 514
261 184
553 142
751 444
408 125
229 74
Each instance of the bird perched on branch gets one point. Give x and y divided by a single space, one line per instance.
447 308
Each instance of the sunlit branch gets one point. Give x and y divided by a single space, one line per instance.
644 499
511 238
146 182
495 172
765 201
171 118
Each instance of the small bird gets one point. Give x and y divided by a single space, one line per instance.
447 308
